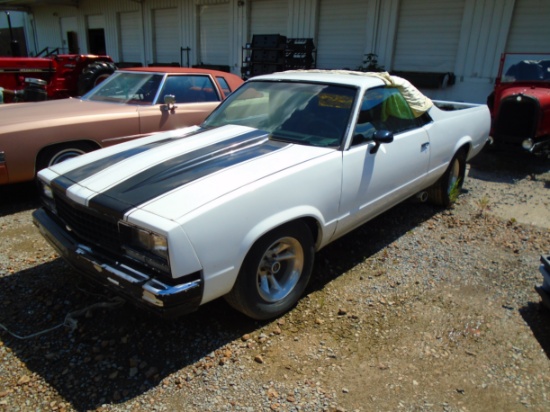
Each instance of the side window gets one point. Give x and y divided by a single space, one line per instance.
384 109
224 85
190 89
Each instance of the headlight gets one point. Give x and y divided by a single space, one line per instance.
46 193
151 242
46 190
527 144
146 246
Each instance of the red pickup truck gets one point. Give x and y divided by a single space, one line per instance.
520 103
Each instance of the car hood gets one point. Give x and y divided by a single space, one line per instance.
170 176
542 94
27 115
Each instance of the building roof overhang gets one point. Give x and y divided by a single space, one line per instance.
29 4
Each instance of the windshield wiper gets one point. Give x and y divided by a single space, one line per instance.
289 139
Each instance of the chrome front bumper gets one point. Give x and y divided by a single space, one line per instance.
135 285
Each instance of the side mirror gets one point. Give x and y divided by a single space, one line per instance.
381 137
170 103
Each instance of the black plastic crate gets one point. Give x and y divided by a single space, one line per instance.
291 55
258 69
268 41
268 56
300 66
300 45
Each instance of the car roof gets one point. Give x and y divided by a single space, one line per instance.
345 77
170 69
233 80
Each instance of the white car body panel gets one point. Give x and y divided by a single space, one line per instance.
384 178
213 218
243 229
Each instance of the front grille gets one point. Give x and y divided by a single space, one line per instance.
95 228
517 118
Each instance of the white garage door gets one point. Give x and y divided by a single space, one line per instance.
428 34
342 34
131 45
530 29
214 34
269 17
166 34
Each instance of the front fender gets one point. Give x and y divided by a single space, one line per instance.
324 230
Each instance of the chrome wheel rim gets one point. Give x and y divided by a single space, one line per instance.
454 175
65 155
280 269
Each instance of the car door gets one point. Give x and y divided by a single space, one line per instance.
196 95
376 177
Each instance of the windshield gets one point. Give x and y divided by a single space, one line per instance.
303 113
127 88
525 67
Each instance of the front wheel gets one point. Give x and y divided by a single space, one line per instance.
57 154
275 272
446 190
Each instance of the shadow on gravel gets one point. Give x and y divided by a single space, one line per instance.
17 198
112 355
352 249
538 318
506 167
115 355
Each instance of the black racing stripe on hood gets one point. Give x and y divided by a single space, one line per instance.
62 183
182 170
87 170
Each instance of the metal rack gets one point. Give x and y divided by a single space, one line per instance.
270 53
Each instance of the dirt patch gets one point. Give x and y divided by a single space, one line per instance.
514 187
421 309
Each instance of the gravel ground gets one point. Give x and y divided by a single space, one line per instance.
421 309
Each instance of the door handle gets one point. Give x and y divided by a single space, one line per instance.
424 146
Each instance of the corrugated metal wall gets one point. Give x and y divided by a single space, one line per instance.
461 36
428 35
48 26
269 17
480 49
530 30
342 34
303 15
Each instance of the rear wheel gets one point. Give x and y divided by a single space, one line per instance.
275 272
94 74
59 153
446 190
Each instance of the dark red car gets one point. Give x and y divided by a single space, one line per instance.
520 103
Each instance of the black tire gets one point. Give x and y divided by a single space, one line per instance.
94 74
61 152
270 282
446 190
491 101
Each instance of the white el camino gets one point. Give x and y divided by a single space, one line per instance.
238 206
